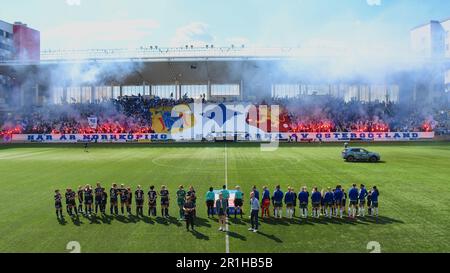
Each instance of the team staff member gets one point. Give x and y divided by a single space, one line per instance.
254 204
181 199
221 209
164 193
113 196
238 201
265 203
58 204
189 209
152 196
139 195
210 196
191 193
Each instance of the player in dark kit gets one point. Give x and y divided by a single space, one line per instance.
88 198
129 195
70 202
103 202
123 198
80 195
58 205
164 193
98 197
139 195
113 195
152 196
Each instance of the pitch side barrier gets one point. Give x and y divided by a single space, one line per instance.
237 137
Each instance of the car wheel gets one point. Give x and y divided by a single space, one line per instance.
350 159
373 159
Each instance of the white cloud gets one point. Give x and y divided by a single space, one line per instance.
195 33
73 2
100 34
373 2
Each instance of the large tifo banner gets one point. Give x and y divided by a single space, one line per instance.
257 137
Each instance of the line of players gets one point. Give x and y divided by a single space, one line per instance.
98 198
327 202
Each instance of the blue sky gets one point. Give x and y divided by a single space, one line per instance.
374 24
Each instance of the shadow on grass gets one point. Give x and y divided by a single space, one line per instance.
76 220
237 236
62 221
148 220
380 220
201 222
199 235
271 237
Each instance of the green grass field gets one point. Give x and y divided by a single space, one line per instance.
414 182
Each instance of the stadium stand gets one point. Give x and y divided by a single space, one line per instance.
138 114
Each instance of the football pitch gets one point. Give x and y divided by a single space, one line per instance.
413 179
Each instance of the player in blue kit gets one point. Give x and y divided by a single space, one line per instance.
303 198
328 202
315 200
289 198
362 200
277 200
375 195
338 197
265 202
353 196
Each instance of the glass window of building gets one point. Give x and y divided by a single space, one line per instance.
165 91
194 91
225 90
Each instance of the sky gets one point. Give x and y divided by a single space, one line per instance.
364 25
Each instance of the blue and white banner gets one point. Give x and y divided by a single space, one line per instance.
241 136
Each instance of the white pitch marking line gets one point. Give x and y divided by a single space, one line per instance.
227 239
